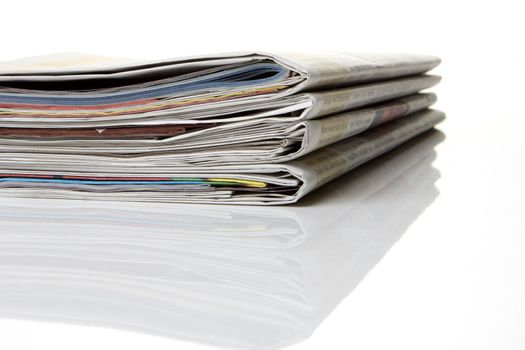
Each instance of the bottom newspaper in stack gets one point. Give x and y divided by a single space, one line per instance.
258 184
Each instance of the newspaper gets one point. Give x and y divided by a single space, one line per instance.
195 88
236 128
265 140
265 184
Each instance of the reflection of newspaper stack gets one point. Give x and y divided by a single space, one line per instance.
228 275
246 128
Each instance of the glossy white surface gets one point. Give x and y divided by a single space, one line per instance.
423 248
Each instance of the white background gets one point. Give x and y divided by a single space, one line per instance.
456 279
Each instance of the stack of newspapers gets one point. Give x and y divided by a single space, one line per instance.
251 128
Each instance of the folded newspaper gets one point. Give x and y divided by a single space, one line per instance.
244 128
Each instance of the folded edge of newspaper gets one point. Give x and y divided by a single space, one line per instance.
294 179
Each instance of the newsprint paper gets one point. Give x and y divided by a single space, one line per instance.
248 128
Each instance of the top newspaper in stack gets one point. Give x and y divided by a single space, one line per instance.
204 117
203 89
